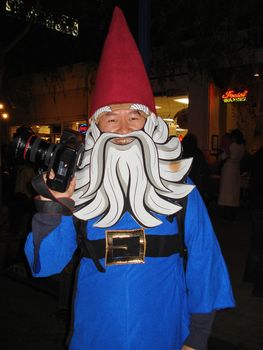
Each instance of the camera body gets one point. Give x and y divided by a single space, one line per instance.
63 158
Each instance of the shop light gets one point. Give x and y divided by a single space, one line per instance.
4 115
158 107
180 129
256 74
184 100
1 105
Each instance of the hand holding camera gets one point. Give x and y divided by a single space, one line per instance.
67 194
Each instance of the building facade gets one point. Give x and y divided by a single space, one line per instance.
51 101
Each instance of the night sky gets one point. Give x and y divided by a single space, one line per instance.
43 48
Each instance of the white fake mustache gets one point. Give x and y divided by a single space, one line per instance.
114 177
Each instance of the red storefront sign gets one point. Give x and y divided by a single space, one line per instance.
233 96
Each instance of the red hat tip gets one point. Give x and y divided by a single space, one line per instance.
121 75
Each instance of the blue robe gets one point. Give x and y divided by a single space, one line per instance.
140 306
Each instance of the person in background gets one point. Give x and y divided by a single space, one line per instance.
8 176
254 264
199 172
22 204
229 189
132 289
223 152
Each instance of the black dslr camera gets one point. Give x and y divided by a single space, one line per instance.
63 158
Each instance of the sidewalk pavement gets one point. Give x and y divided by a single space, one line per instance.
28 306
242 326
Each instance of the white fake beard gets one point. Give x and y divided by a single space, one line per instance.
141 177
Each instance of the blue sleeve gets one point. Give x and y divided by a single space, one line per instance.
207 278
49 252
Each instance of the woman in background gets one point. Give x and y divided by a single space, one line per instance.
229 191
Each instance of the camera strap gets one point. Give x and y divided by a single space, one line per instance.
63 206
181 231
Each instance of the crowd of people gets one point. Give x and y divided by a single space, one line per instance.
236 176
218 175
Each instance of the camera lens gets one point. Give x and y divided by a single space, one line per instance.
39 151
29 147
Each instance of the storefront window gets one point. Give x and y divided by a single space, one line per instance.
169 108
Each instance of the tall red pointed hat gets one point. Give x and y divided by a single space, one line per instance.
121 75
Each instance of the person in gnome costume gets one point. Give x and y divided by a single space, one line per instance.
132 290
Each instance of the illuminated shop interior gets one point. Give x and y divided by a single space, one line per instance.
169 108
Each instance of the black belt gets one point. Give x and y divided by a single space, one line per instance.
128 249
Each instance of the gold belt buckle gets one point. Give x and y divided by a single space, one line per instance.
125 247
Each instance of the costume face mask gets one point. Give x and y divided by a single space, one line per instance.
142 176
